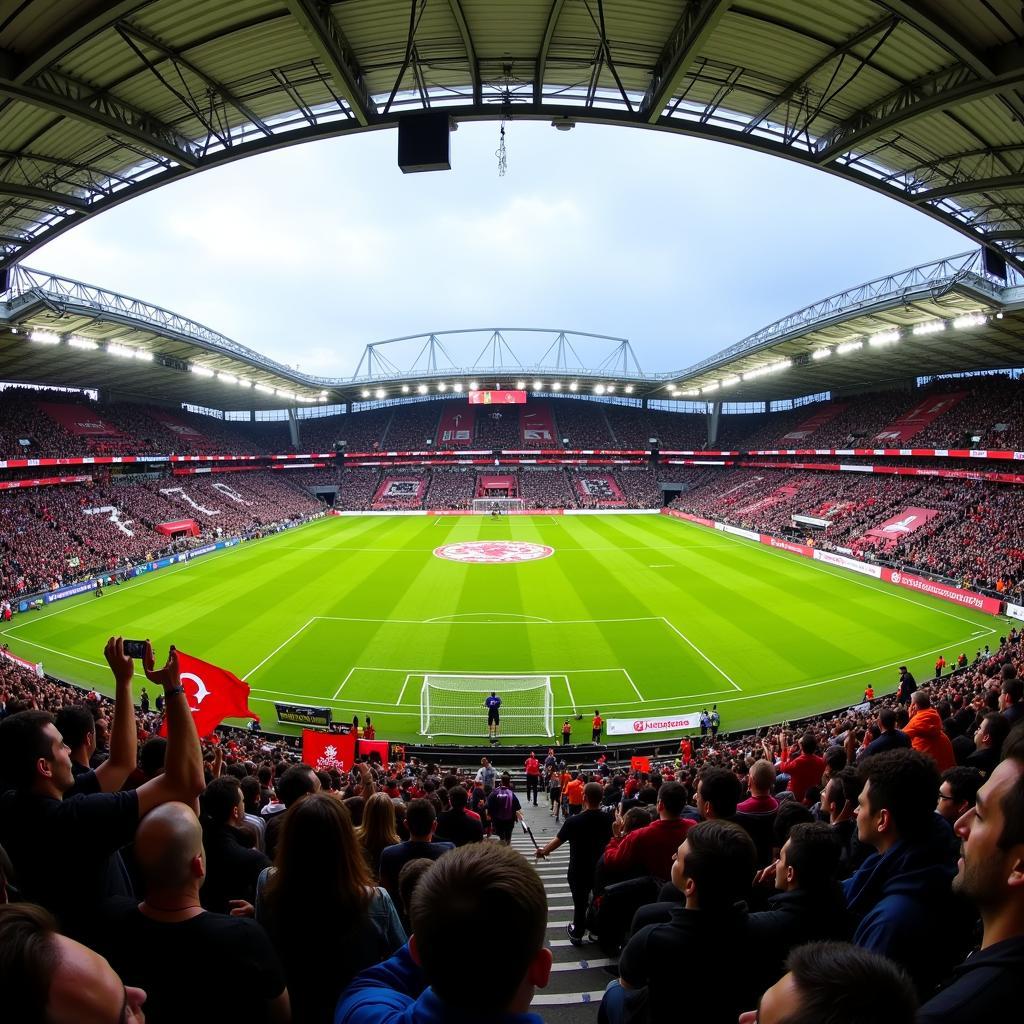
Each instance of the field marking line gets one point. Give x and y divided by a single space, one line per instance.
434 622
572 699
401 692
61 654
665 565
484 674
640 696
885 588
343 682
717 668
466 615
279 647
436 521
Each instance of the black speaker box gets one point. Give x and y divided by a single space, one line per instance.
424 143
5 279
993 263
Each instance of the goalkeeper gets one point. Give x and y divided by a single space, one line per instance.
493 705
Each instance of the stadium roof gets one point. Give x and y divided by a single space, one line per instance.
946 316
921 100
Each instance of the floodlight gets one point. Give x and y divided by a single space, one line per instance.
379 393
884 338
598 389
970 320
629 389
202 371
849 346
521 385
364 393
83 343
405 389
709 387
262 387
473 386
537 385
442 386
573 386
228 378
929 327
692 393
422 389
729 382
821 353
120 351
610 389
44 338
556 385
457 386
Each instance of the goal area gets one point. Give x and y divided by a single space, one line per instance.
454 705
484 506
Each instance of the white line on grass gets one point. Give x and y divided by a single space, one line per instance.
62 654
401 692
468 615
436 622
683 636
343 682
569 688
280 647
639 695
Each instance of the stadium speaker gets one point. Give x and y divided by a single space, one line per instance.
424 143
5 279
993 263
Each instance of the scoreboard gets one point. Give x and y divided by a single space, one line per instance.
497 398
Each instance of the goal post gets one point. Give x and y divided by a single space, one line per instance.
453 705
484 506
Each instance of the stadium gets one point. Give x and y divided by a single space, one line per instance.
758 611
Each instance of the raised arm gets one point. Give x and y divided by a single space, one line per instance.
124 737
183 779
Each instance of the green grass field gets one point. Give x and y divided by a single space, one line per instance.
632 614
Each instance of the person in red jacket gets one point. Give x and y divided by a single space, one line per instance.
532 777
649 850
805 770
926 733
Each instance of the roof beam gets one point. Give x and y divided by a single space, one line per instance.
317 22
970 188
59 94
1003 236
176 58
467 41
839 50
698 21
43 195
545 47
950 87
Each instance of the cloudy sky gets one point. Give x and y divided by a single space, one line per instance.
681 246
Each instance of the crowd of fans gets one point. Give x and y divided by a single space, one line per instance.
850 866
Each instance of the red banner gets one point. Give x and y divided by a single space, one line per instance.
45 481
213 694
538 424
640 764
77 420
497 398
364 748
456 426
909 520
819 419
174 425
966 598
856 467
914 421
323 751
786 545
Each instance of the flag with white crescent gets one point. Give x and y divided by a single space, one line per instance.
213 694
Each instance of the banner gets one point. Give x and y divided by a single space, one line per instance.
737 532
78 420
538 424
189 526
909 520
855 565
966 598
213 694
173 424
34 667
497 398
640 764
456 426
45 481
785 545
367 748
916 419
302 714
324 751
819 419
1015 611
668 723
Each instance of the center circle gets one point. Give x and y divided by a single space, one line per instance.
493 552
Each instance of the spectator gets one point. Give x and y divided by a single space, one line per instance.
991 875
297 781
481 896
712 869
889 737
532 766
926 733
650 850
587 835
836 983
901 894
503 809
421 820
47 977
761 783
907 685
459 825
718 794
232 864
988 742
377 830
1011 699
319 905
805 770
38 827
957 792
141 939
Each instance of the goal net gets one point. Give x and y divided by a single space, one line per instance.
454 705
483 506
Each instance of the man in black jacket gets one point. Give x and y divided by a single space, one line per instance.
991 874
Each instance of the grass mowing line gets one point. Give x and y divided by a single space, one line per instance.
279 647
721 671
885 588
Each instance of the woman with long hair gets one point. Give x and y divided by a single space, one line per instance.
378 829
322 911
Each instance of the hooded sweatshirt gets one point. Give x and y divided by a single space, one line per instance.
927 736
905 908
984 986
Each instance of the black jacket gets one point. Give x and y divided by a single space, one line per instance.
984 987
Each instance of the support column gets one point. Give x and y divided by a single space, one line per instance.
293 428
714 413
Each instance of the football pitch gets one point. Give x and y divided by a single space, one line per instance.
632 614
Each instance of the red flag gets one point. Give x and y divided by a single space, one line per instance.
640 764
213 694
323 751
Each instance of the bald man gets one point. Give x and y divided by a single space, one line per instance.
173 948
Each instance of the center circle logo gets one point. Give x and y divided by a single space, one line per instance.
896 577
494 552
